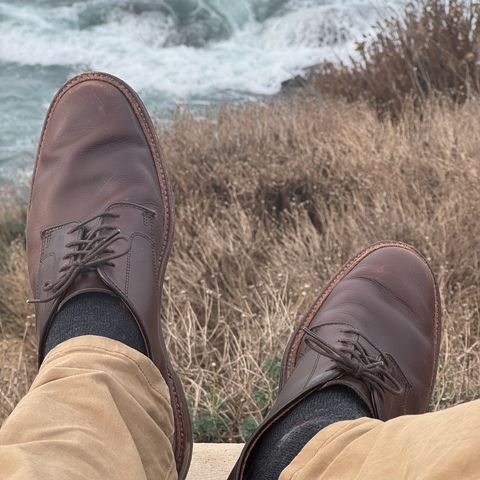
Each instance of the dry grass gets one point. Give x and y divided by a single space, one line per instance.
270 201
17 348
433 48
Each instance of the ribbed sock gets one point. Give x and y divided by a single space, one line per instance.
95 314
284 440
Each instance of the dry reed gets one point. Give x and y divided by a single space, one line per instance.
433 48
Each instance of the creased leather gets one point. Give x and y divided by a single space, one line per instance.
99 153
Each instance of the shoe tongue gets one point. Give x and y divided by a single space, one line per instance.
86 282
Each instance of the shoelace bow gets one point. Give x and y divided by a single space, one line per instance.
90 251
356 362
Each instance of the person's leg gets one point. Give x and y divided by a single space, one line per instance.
368 347
285 439
97 409
107 402
433 446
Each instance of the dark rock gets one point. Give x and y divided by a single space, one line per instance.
302 81
289 86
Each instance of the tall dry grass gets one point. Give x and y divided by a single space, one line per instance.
269 202
434 47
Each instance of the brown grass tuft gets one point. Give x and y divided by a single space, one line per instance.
270 200
433 48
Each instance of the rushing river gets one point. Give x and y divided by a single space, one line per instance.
195 52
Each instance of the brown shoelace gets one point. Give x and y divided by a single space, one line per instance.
89 252
353 360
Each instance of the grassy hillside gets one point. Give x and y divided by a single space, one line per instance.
270 200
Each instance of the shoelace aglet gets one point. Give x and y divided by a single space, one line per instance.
33 301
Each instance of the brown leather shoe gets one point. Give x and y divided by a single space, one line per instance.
101 217
375 328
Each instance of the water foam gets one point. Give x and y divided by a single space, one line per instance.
194 51
135 43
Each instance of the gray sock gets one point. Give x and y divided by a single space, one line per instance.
282 442
95 314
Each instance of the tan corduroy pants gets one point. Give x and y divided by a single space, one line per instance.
436 446
100 410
